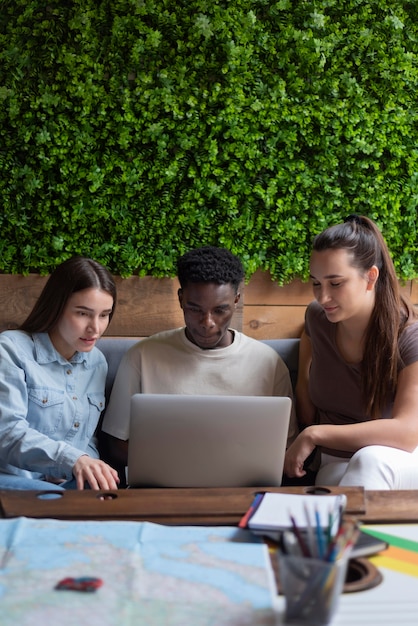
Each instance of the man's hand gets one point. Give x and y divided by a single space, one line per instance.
97 473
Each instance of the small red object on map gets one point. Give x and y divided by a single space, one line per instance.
84 583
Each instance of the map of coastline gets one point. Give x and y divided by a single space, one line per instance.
152 574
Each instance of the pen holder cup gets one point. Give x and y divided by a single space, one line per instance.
311 587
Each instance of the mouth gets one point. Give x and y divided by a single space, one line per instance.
206 340
88 341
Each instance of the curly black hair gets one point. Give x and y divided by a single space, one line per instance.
210 265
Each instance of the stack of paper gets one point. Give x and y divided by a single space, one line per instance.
282 511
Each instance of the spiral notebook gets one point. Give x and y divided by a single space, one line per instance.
274 511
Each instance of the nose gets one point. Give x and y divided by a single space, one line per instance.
322 295
207 320
94 324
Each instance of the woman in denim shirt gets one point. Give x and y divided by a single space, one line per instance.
52 381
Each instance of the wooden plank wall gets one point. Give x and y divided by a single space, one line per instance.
148 305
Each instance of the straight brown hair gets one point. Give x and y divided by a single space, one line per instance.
75 274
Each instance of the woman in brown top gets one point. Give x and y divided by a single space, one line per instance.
357 390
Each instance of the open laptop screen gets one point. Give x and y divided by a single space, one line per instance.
207 441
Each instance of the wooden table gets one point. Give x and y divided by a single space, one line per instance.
209 506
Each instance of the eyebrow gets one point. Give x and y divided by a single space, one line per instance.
328 276
217 306
86 308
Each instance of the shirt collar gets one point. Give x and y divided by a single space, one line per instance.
46 353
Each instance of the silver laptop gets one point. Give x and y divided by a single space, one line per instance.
207 441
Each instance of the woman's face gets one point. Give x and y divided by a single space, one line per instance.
84 320
341 289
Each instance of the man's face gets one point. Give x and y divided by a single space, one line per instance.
208 309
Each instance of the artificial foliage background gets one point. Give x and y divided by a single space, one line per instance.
133 130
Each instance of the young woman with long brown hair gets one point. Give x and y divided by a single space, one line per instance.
357 390
52 384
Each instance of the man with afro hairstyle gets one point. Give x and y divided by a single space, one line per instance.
205 356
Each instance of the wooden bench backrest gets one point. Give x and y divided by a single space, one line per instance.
148 305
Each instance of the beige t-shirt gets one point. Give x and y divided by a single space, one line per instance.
169 363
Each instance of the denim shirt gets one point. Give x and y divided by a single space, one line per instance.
49 407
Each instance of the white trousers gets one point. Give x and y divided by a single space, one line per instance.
372 467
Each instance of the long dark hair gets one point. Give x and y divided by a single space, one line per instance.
73 275
361 237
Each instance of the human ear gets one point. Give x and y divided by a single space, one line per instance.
180 297
372 276
237 298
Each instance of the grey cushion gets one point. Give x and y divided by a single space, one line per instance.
113 348
288 349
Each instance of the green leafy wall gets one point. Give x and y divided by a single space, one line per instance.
133 130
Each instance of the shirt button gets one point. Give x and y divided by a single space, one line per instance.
44 400
74 397
69 372
76 424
